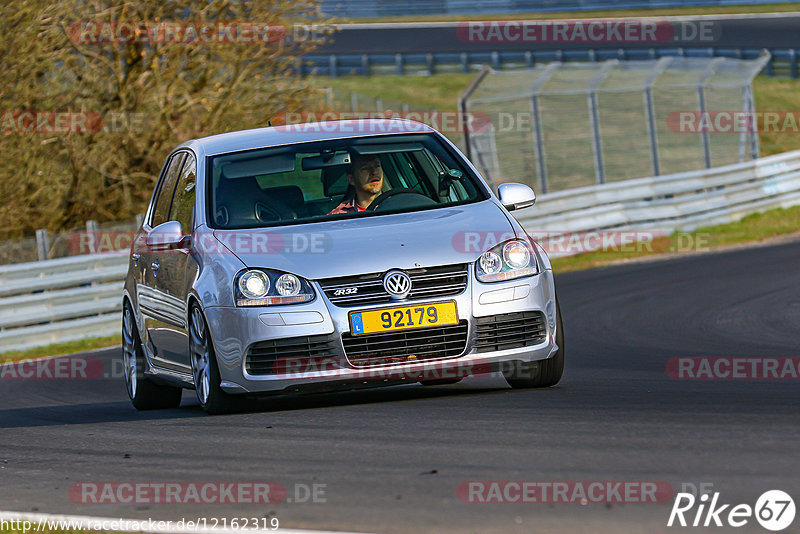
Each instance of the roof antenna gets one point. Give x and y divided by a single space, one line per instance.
269 122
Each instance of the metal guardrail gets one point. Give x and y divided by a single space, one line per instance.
371 8
60 300
784 61
80 297
668 203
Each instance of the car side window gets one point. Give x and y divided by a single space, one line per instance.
183 199
166 189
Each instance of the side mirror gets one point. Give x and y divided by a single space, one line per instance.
516 196
166 235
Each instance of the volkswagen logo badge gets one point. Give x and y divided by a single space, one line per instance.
397 284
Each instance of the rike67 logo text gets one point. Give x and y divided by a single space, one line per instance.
774 510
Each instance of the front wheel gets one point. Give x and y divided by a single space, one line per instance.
542 373
143 392
205 370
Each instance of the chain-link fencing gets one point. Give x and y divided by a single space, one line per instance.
565 125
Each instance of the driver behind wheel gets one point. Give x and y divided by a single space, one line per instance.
365 176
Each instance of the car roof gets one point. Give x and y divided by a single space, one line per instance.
302 133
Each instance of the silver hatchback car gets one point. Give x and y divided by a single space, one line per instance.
332 256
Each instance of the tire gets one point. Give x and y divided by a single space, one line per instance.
205 370
541 373
143 392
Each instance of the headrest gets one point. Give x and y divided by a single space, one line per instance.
290 195
334 181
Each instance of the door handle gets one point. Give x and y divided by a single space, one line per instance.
155 265
135 257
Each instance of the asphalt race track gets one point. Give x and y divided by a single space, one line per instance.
719 31
391 460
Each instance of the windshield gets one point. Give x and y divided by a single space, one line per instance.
330 180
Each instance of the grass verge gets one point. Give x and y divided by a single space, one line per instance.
606 13
59 349
754 228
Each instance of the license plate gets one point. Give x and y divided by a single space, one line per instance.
403 318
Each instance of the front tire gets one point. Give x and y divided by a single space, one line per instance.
143 392
205 370
542 373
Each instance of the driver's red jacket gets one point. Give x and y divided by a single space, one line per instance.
347 206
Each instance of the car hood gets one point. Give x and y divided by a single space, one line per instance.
427 238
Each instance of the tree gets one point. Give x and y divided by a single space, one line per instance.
109 88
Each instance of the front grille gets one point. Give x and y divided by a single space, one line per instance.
509 331
292 355
429 282
396 347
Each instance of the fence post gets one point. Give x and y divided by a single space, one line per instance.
594 118
42 245
431 61
365 64
464 62
91 229
353 102
398 61
701 102
378 104
538 135
651 129
462 107
538 138
333 65
597 145
650 111
752 130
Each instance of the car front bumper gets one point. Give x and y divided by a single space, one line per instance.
234 330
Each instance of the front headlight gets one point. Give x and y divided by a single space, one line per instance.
262 287
506 261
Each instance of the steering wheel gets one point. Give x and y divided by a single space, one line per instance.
373 206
